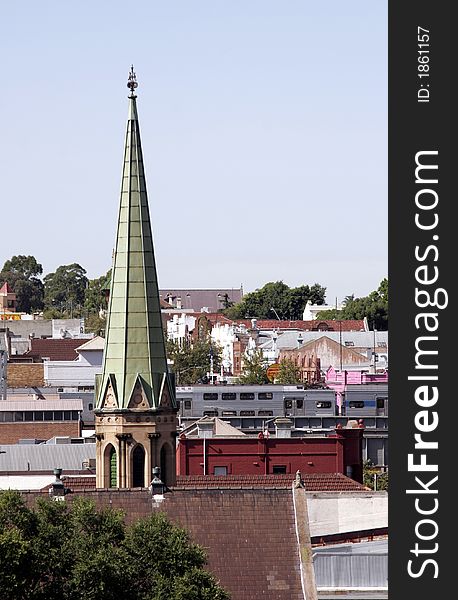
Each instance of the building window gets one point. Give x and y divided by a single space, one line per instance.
38 415
210 413
28 415
279 469
323 404
356 404
219 470
58 415
265 396
210 396
381 402
48 415
247 396
19 416
229 396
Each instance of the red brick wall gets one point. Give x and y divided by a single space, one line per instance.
10 433
25 375
252 456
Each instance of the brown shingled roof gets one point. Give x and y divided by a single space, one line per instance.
55 349
319 482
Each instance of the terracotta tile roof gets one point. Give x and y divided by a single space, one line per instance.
77 484
316 325
54 349
319 482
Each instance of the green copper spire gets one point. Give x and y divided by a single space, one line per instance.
135 365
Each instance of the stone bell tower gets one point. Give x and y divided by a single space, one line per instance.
135 415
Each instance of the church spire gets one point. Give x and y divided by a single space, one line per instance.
135 349
135 414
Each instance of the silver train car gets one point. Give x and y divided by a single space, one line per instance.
254 401
369 400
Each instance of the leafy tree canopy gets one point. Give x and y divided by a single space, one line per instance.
254 368
21 273
374 307
65 289
192 361
95 297
276 298
74 552
288 373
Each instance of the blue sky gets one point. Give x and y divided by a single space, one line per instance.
264 130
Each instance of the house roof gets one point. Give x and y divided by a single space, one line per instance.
200 298
95 343
54 349
319 482
220 428
6 289
44 457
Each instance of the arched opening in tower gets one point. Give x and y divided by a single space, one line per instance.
138 467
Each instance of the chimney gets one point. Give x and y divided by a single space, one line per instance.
283 427
205 428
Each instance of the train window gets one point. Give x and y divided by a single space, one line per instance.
210 413
265 413
265 396
247 413
187 404
324 404
279 469
229 396
229 413
288 404
246 396
356 404
381 402
349 344
219 470
210 396
299 403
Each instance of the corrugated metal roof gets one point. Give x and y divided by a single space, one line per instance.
361 339
44 457
27 404
25 482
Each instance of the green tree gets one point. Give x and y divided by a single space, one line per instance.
65 290
192 361
21 273
288 373
276 298
254 368
95 296
374 307
75 552
373 478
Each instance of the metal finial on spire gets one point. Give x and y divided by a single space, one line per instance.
132 81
